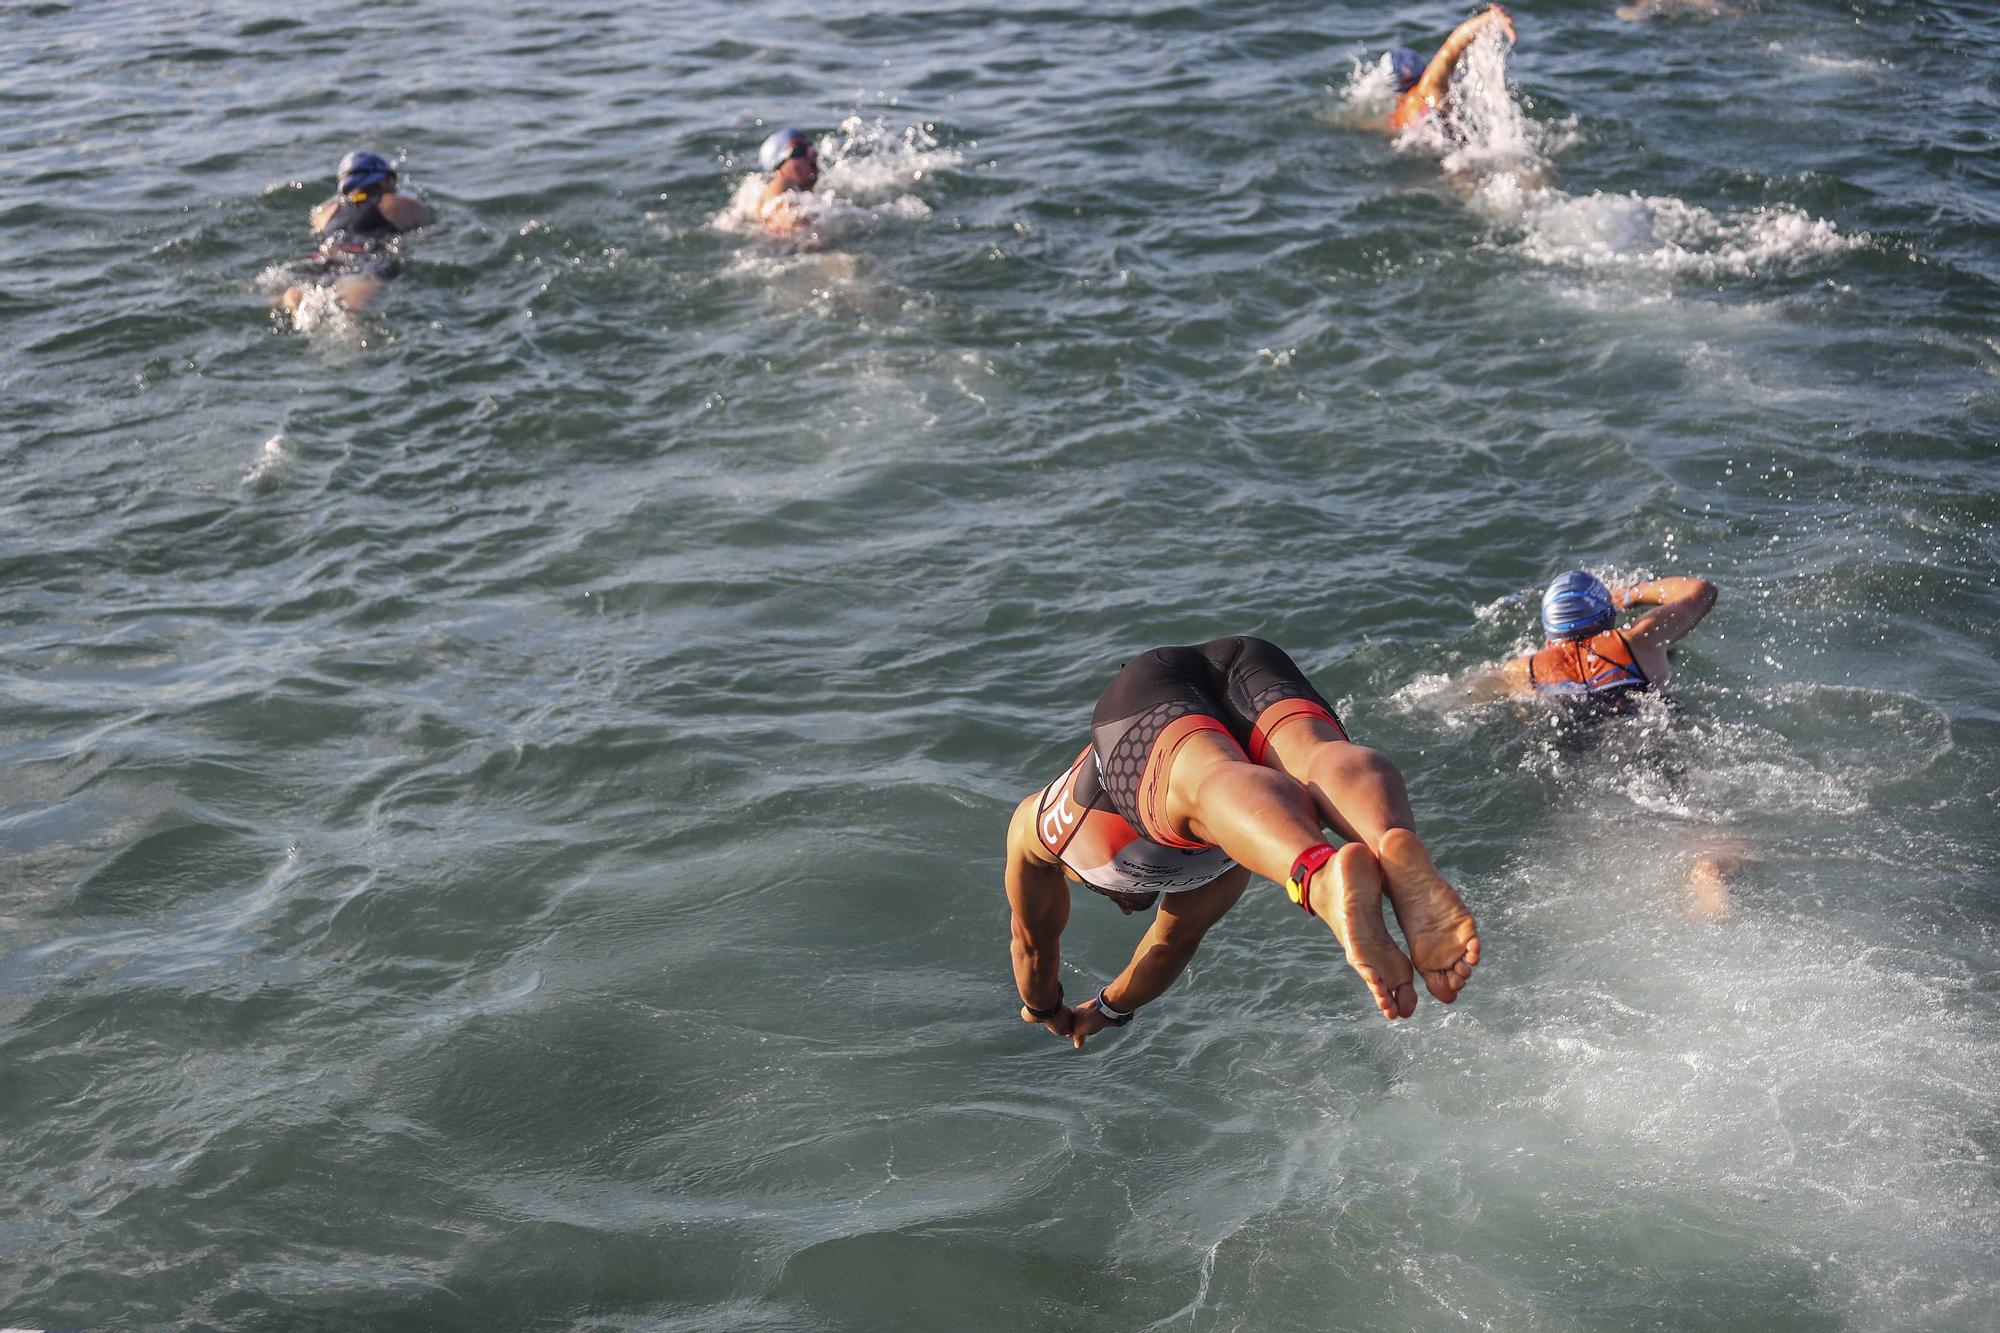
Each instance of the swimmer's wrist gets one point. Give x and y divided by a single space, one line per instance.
1115 1017
1044 1015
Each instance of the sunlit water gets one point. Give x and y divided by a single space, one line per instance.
503 792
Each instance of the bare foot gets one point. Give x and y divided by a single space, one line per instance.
1349 899
1443 937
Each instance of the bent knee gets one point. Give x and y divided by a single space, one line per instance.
1347 761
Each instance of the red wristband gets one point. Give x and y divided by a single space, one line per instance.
1299 886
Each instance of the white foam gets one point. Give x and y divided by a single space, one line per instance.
1826 64
1368 95
321 311
269 460
1658 233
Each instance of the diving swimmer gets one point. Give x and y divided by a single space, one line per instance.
1423 88
794 166
355 230
1207 764
1588 661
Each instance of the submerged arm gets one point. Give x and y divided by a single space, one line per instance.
1498 682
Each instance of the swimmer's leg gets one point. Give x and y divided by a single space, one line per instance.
1259 816
1265 821
1347 895
1708 882
1360 793
290 301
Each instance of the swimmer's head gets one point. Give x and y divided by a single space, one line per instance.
1406 67
786 147
1577 605
363 174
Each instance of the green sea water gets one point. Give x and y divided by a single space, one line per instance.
501 797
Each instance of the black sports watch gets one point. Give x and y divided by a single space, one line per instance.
1044 1015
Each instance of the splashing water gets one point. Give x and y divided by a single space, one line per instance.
868 173
1656 233
269 460
1503 160
1485 131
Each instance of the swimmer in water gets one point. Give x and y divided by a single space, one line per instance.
1208 764
794 166
1586 657
1423 88
354 231
1588 661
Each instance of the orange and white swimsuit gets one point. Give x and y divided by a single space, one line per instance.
1602 664
1079 828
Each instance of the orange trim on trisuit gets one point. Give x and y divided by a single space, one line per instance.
1281 712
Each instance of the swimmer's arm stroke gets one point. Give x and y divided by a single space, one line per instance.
1436 78
1038 900
1678 605
1499 682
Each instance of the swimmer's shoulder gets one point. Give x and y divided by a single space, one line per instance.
407 211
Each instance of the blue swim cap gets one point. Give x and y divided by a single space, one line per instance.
362 170
1407 66
1576 604
781 148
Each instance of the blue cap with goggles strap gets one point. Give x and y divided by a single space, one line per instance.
361 171
1406 67
1577 603
782 147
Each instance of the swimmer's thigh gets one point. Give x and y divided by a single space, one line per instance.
1265 693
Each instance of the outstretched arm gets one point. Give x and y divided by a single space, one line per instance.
1176 932
1436 77
1498 682
1679 604
1039 901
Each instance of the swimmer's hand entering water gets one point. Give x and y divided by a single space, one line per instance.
1428 93
1062 1022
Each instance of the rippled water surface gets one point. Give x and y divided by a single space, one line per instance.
502 795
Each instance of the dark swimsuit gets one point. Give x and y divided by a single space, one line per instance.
1105 818
358 238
